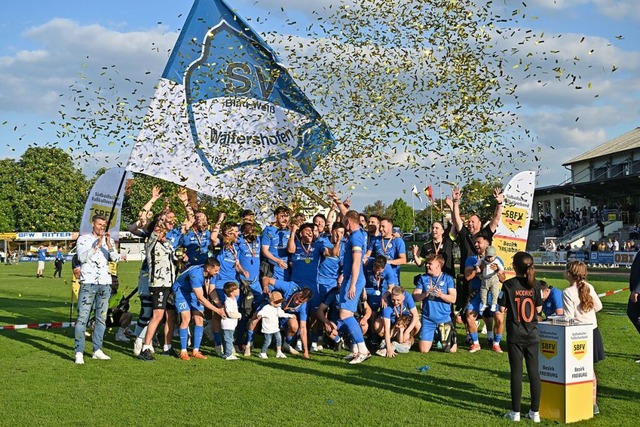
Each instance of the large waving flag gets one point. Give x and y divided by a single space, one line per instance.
227 119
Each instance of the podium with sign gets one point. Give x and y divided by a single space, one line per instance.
566 371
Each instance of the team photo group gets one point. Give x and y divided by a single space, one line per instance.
330 281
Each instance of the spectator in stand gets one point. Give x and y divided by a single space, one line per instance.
602 247
593 246
634 231
551 246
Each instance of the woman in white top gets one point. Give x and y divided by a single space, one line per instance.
581 302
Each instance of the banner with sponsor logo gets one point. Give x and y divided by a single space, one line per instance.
513 228
101 199
227 119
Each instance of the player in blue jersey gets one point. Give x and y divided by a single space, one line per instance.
472 273
551 300
196 241
191 300
249 257
399 320
393 248
353 285
273 242
305 254
230 269
437 291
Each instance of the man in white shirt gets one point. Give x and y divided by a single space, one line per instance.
94 251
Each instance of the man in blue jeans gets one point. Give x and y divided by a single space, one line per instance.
94 251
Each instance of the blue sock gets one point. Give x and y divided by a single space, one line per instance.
184 337
497 338
339 324
336 338
354 329
249 337
217 338
198 331
474 336
289 339
314 336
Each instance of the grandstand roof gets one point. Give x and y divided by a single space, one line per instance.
625 142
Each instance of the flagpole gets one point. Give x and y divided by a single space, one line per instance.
413 212
115 199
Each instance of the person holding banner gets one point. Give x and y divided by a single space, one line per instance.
94 251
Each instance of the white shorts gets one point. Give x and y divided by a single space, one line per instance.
40 265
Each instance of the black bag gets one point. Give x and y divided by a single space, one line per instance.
246 305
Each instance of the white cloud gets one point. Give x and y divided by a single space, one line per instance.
32 80
617 9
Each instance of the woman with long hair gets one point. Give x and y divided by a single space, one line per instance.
521 299
581 302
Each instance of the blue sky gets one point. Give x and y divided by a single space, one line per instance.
46 45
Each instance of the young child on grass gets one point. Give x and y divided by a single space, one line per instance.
229 324
270 315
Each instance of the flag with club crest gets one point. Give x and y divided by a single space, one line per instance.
227 119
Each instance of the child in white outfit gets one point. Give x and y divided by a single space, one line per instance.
270 315
229 323
489 277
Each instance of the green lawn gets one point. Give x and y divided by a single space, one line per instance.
42 386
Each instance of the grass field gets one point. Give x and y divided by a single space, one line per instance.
42 385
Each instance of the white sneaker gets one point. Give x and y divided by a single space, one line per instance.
79 359
232 357
299 346
360 357
534 416
137 347
280 355
263 356
247 350
99 354
314 347
513 416
120 336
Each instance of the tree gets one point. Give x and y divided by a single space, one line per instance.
7 195
50 191
402 215
477 197
378 208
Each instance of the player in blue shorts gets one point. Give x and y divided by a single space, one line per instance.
551 300
472 274
437 291
399 320
274 245
305 254
353 285
191 300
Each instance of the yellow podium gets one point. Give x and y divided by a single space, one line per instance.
565 362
